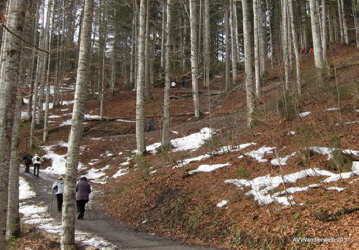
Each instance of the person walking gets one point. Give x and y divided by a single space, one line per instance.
83 190
27 158
58 189
37 161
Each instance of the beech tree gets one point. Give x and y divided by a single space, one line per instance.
194 62
166 102
317 46
140 135
227 46
295 46
13 216
234 38
69 211
248 63
256 27
10 64
206 43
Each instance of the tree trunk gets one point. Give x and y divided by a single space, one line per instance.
68 211
207 41
50 11
335 26
285 44
324 33
262 38
318 56
233 43
31 75
227 49
140 137
340 14
256 27
345 26
304 38
166 102
270 38
132 53
356 23
13 217
330 27
147 52
248 62
10 64
295 44
163 35
194 63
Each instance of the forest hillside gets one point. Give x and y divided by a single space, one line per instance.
293 175
173 124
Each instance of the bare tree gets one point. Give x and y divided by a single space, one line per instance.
345 26
285 43
256 48
69 212
228 52
10 64
233 42
140 136
324 33
295 45
318 54
50 7
13 216
166 102
248 64
206 41
194 62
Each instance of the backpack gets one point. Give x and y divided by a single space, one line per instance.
38 159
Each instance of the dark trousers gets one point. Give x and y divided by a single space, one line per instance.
80 205
59 198
36 169
27 168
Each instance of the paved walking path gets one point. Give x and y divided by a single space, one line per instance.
100 224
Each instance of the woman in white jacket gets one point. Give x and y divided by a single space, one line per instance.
37 161
58 189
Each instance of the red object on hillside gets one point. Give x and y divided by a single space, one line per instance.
303 51
311 51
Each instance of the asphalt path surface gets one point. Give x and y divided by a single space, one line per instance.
100 224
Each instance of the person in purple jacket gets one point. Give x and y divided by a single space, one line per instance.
83 190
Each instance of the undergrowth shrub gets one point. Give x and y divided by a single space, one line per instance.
287 106
339 161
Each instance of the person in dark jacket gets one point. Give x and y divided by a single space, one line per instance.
83 191
27 158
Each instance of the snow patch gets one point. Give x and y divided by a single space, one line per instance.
261 185
222 203
208 168
25 191
335 189
259 153
120 173
281 161
304 114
